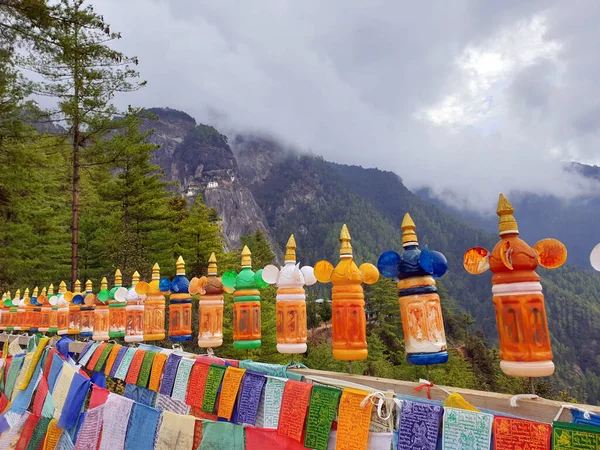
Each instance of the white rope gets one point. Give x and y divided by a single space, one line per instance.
381 399
586 413
515 398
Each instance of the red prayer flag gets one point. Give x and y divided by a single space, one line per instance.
516 434
27 432
198 381
96 356
98 397
40 396
135 366
269 439
294 405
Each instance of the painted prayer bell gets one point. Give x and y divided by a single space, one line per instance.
420 309
86 312
154 304
75 303
246 303
517 294
180 305
101 313
210 306
134 312
290 300
349 322
117 301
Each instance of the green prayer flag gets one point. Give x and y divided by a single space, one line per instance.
321 412
213 381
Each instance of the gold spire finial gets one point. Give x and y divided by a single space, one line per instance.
51 289
409 237
507 223
118 278
180 266
89 286
18 293
212 264
77 287
26 294
35 292
290 249
44 291
103 283
62 287
156 272
135 278
345 246
246 257
8 294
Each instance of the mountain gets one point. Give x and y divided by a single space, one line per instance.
199 160
263 185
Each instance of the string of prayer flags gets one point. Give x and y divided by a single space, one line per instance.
514 434
98 397
21 375
170 404
27 432
197 434
91 365
61 390
89 433
34 362
75 400
455 400
14 348
466 429
118 360
112 357
23 398
39 433
143 423
213 381
103 357
144 375
55 370
321 413
377 441
419 426
294 405
272 403
140 394
198 381
116 417
229 389
249 398
53 435
135 367
169 374
569 436
268 439
176 432
180 385
353 420
125 363
157 370
217 435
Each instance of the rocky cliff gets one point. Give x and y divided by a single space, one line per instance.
199 159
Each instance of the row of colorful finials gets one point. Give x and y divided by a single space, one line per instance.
138 314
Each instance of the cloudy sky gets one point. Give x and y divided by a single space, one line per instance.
466 97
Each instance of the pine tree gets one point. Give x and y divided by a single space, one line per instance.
135 200
262 255
81 71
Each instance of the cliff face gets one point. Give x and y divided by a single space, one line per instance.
201 161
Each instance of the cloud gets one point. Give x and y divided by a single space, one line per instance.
468 98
